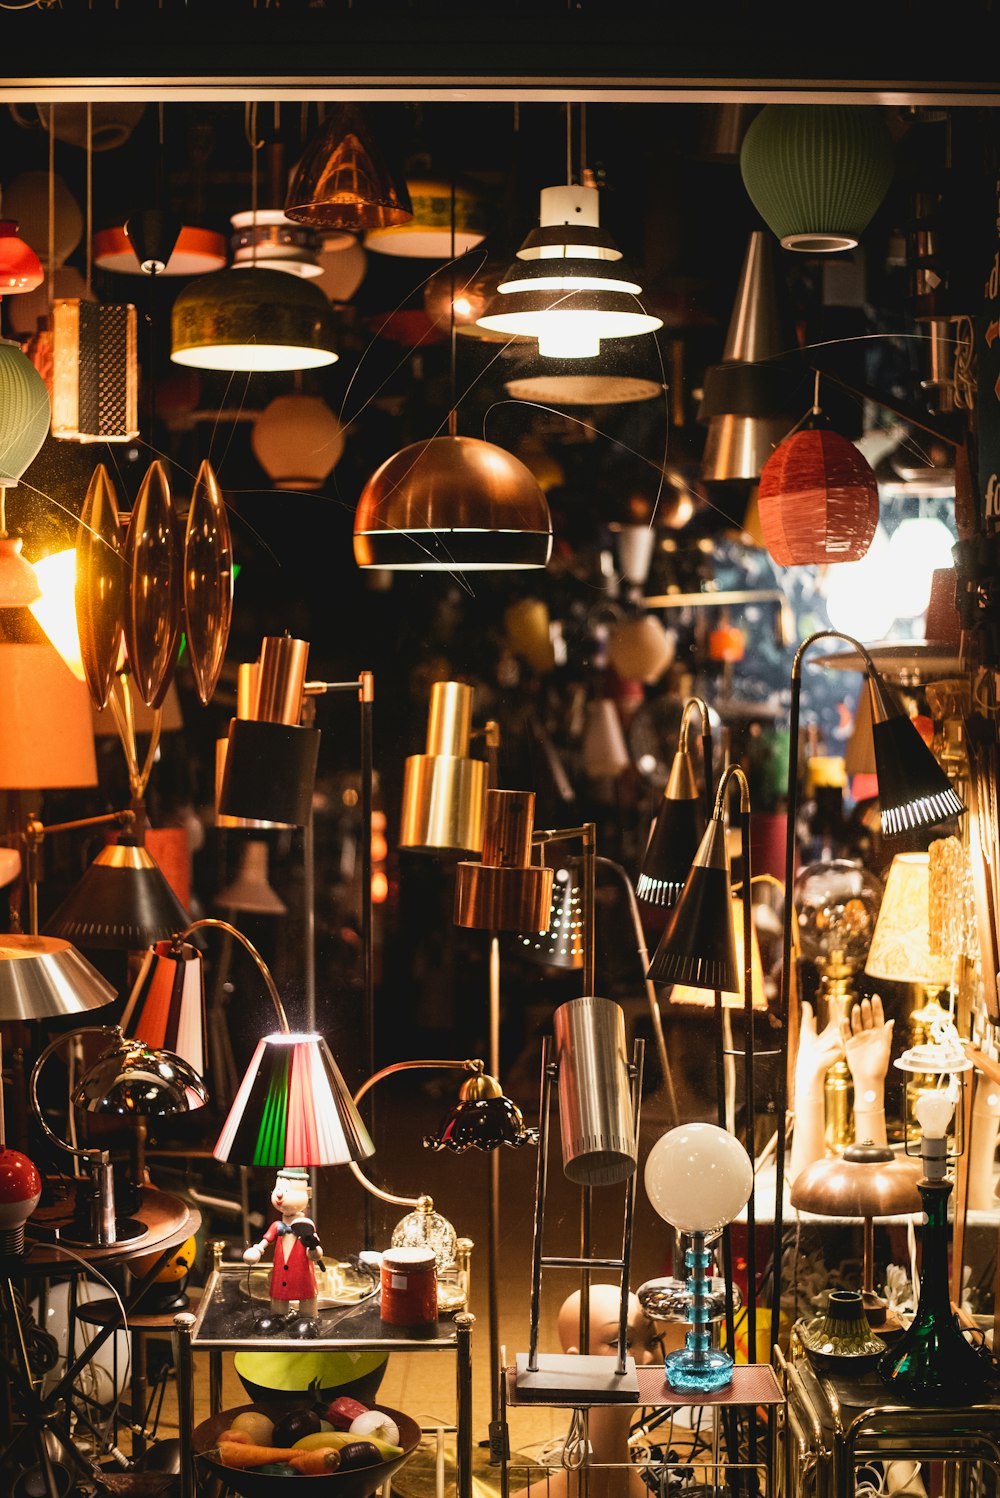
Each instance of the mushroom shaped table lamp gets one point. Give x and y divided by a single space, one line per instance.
697 1178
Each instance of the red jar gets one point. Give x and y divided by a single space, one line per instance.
409 1287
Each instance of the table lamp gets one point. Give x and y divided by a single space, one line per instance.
698 1177
900 948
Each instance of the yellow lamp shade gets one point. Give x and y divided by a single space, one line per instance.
900 949
704 997
298 441
428 234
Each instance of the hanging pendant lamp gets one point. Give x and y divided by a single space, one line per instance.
428 233
298 441
817 173
20 268
24 424
568 286
344 180
252 319
817 500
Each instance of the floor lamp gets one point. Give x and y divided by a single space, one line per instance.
913 792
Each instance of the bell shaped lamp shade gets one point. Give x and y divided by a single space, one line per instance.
25 412
674 836
817 500
122 903
698 947
483 1119
345 180
252 320
251 891
20 268
817 173
452 504
166 1008
913 789
293 1108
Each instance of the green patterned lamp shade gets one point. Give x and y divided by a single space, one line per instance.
24 412
817 173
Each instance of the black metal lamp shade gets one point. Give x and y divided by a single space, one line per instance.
675 836
482 1119
122 903
913 789
270 772
698 947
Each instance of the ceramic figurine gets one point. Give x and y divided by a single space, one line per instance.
296 1249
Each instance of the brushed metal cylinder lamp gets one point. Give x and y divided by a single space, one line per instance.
595 1111
444 789
270 765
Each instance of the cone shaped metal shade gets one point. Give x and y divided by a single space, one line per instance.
675 836
698 947
123 902
681 993
452 504
344 180
43 977
293 1108
913 789
166 1008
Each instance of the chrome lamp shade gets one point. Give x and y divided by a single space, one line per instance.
43 977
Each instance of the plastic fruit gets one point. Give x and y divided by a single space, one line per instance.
378 1424
359 1454
338 1440
258 1426
297 1423
343 1410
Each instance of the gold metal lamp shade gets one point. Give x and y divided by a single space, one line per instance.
506 891
452 504
252 320
344 180
444 789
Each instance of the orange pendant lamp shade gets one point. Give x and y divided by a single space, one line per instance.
20 267
817 500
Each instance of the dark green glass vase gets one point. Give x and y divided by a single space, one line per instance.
932 1363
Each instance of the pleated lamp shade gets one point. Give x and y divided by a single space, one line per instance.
698 948
122 903
166 1008
47 740
293 1108
682 993
900 948
817 500
817 173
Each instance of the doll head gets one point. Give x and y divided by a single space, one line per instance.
291 1192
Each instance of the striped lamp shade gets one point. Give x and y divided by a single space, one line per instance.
293 1108
817 500
166 1007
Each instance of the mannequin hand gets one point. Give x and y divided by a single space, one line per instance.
817 1052
867 1044
252 1254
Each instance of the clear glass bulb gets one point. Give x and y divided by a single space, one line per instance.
425 1228
836 905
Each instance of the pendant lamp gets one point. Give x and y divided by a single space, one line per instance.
269 240
95 371
195 251
344 179
429 234
298 441
817 500
26 200
568 286
20 267
254 319
24 424
452 504
817 173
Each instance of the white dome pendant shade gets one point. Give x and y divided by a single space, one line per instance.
568 286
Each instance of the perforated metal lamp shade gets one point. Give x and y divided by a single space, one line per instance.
122 903
452 503
674 836
698 947
293 1109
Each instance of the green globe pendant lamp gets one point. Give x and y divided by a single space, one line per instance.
253 319
24 423
817 173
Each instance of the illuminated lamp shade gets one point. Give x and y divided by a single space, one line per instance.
55 610
47 741
196 252
344 179
293 1108
731 999
900 947
817 173
452 504
122 903
95 383
917 548
583 389
27 312
343 263
858 593
271 241
20 268
256 319
429 235
26 199
817 500
560 945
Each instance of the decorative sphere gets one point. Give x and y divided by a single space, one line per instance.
698 1177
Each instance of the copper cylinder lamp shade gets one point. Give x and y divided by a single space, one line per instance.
698 948
452 504
506 891
444 789
270 761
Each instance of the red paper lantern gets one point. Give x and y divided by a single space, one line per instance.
817 500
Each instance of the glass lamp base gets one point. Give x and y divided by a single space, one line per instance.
698 1372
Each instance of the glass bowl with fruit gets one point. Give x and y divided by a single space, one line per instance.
345 1445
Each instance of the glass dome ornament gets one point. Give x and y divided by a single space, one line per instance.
426 1228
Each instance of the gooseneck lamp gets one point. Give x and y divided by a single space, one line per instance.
680 821
697 1178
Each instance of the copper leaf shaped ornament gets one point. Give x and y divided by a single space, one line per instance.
154 585
208 581
100 585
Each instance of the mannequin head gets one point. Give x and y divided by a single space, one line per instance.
605 1302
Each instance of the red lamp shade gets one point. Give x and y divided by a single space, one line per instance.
20 1193
20 267
166 1008
817 500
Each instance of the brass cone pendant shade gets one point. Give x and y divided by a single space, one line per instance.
344 180
698 947
452 504
123 903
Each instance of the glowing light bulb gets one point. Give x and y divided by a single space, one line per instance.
55 611
916 548
858 599
934 1111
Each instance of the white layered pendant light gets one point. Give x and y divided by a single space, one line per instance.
569 286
